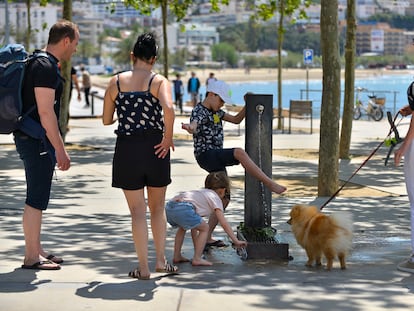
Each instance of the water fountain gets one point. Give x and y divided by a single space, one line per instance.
257 229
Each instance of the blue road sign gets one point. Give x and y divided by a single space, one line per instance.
307 56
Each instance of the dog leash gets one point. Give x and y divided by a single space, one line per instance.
392 128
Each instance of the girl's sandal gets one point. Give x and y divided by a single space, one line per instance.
168 268
136 274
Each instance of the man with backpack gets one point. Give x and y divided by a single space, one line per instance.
43 88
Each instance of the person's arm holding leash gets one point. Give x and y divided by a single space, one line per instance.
406 110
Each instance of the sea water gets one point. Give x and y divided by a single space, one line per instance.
391 87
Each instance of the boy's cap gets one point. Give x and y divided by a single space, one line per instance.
221 89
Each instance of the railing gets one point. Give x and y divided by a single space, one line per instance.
94 94
304 94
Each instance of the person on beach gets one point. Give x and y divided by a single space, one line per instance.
211 77
407 151
86 85
74 82
193 87
207 130
178 92
186 210
43 87
145 114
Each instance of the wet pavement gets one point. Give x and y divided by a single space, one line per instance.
88 223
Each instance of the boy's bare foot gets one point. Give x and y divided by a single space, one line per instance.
201 262
180 259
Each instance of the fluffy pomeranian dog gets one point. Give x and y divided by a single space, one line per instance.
320 234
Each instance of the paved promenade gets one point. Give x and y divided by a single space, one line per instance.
89 225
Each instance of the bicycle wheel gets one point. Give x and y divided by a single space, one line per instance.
357 113
378 114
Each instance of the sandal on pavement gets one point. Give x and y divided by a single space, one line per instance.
42 265
55 259
168 268
136 274
218 243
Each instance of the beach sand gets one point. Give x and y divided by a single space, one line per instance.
264 74
271 74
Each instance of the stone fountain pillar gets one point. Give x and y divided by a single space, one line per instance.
258 145
258 198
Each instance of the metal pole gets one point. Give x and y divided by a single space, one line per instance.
307 82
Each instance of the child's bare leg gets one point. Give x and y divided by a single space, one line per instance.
199 243
178 244
256 172
212 223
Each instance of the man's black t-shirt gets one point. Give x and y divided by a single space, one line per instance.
42 72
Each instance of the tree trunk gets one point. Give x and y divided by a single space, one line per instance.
348 111
280 66
65 71
29 26
331 91
164 5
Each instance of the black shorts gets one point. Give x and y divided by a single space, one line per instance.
39 168
135 164
216 160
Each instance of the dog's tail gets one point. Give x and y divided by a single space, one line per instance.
344 221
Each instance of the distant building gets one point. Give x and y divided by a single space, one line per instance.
380 39
235 12
197 39
42 18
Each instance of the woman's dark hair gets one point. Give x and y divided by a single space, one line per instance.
146 47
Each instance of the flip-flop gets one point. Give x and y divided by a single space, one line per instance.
55 259
218 243
168 268
136 274
41 265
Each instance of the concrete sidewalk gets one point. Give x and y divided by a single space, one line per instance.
89 225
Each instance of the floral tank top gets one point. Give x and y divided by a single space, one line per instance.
138 111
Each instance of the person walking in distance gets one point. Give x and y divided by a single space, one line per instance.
144 109
74 82
43 89
178 92
193 88
86 85
211 77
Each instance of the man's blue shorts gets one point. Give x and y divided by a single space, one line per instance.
38 168
216 160
182 214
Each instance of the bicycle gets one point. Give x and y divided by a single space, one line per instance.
372 109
